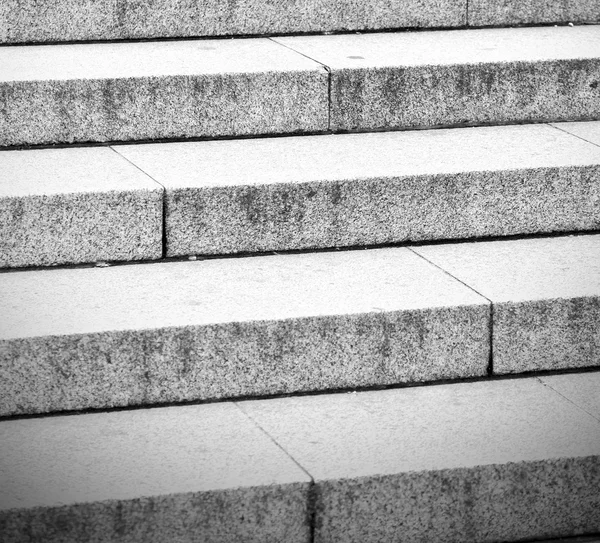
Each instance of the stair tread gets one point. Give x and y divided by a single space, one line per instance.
178 331
364 453
363 189
182 89
298 192
76 205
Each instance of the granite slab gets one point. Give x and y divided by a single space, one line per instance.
460 77
583 389
507 460
188 474
512 12
226 197
66 206
149 90
545 295
588 131
170 332
72 20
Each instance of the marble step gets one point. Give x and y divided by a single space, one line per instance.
72 20
146 334
221 88
482 462
77 205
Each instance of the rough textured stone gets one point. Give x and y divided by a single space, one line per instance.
583 389
545 295
423 79
197 473
477 462
511 12
147 334
149 90
363 189
589 131
59 20
76 205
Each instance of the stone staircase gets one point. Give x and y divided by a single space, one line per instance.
303 271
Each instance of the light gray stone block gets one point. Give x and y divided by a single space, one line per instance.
478 462
62 206
196 473
583 389
60 20
512 12
545 295
147 334
364 189
424 79
149 90
589 131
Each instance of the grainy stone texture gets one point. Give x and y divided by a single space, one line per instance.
589 131
583 389
362 189
62 206
60 20
147 334
477 462
511 12
149 90
545 295
423 79
189 474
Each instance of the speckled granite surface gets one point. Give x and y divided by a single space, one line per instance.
150 90
545 295
167 332
424 79
474 462
61 20
362 189
64 206
175 474
511 12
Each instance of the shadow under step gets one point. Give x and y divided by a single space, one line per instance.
215 88
77 205
486 462
75 339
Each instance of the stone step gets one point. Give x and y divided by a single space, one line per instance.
308 192
72 20
490 76
60 206
148 334
213 88
490 461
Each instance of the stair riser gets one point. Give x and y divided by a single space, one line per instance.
31 21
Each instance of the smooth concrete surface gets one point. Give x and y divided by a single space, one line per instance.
71 20
511 12
196 473
155 333
472 462
149 90
589 131
545 295
61 206
583 389
424 79
362 189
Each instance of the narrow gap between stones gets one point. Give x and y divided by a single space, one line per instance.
568 399
573 134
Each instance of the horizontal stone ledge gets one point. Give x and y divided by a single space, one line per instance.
363 189
170 332
153 90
